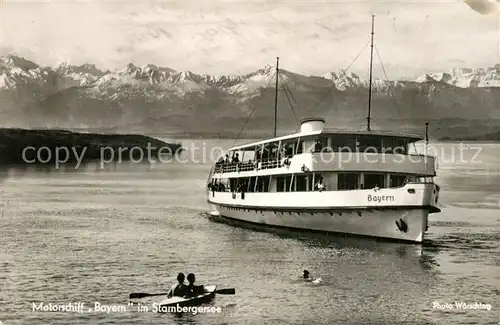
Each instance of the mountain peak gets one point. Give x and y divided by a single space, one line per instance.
130 69
267 70
343 79
466 77
14 61
84 69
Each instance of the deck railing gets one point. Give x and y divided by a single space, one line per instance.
250 166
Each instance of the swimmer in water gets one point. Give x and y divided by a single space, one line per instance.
306 276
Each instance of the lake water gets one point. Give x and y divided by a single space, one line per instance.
96 235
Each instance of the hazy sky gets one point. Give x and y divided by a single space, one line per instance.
225 37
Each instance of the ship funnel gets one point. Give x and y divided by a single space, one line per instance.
312 124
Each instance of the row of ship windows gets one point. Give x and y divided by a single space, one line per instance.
324 143
310 182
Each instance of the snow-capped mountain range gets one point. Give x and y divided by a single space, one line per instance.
467 78
16 71
158 97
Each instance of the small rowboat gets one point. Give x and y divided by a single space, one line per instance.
192 301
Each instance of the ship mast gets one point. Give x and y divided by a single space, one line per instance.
276 96
368 118
426 137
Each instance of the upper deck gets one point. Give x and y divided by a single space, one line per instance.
312 129
333 144
334 134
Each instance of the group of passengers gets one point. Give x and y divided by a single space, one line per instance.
226 161
260 155
220 187
266 154
244 185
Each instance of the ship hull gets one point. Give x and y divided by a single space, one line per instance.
383 223
396 214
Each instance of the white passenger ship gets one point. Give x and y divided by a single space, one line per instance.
352 182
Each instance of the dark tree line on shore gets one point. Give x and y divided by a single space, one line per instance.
20 146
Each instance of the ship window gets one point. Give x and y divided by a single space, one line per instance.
397 180
301 183
273 150
280 183
348 181
266 152
300 147
373 180
287 148
258 153
251 184
400 146
247 155
320 144
224 184
232 184
369 144
263 183
388 144
395 145
242 184
343 143
412 178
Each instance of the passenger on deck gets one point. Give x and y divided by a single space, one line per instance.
220 161
236 159
318 146
241 187
282 153
192 289
319 185
179 289
226 159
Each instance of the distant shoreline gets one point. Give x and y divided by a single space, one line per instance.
258 138
469 141
489 137
56 146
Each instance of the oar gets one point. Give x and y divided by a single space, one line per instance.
228 291
137 295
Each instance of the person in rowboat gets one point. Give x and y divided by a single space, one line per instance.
192 289
179 289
